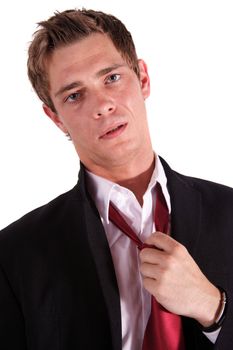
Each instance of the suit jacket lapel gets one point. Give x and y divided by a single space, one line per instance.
103 261
186 229
185 209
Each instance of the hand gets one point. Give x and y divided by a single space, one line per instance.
171 275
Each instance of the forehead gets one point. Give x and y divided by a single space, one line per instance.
87 56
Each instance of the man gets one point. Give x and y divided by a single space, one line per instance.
70 278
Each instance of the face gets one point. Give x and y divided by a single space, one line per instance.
100 102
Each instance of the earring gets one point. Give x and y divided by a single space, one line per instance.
68 137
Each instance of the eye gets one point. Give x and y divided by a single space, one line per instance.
73 97
112 78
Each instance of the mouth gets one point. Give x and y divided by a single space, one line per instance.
114 131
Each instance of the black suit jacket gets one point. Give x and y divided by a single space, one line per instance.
58 289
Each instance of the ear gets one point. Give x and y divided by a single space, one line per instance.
55 118
144 78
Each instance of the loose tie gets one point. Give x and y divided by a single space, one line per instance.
164 329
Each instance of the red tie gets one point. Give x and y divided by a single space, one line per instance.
164 329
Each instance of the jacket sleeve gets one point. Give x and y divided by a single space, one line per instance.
12 330
225 338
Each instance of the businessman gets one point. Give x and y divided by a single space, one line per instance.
135 256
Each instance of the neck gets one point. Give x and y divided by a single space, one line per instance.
138 184
134 175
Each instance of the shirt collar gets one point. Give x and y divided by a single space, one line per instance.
101 189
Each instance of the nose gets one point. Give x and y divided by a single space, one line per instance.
103 106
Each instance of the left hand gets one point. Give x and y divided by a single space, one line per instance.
171 275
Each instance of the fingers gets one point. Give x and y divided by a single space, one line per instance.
162 266
165 247
162 241
151 286
151 255
155 260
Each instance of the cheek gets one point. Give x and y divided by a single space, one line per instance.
134 94
81 133
135 103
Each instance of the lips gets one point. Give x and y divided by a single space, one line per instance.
113 131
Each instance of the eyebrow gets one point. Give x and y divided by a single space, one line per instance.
78 83
108 69
68 87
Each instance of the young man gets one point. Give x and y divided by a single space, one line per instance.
70 278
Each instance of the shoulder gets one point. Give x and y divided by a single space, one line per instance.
206 186
45 215
208 190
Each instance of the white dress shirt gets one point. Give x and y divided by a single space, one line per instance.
135 301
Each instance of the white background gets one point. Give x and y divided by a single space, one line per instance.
188 46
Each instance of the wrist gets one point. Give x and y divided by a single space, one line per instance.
219 315
207 305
